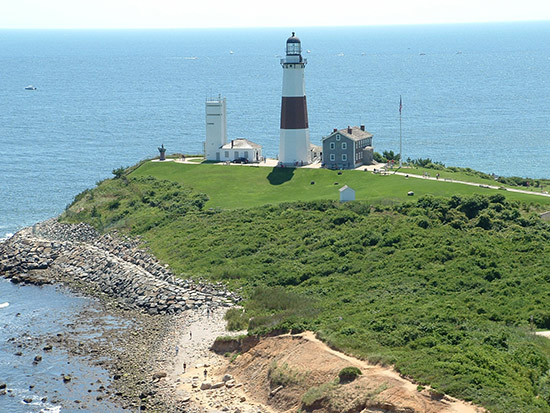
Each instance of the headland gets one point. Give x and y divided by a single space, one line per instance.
356 286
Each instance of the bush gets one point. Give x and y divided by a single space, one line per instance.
348 374
118 172
282 374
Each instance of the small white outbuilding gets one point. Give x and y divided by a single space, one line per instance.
347 194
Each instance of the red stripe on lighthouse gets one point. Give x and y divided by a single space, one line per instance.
294 113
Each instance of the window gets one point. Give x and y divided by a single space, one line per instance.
337 137
236 155
344 145
332 157
226 154
344 157
293 48
332 145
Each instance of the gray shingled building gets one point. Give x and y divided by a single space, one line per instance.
347 148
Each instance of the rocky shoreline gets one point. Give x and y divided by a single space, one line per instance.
52 252
131 285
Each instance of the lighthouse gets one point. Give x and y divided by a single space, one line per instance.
294 148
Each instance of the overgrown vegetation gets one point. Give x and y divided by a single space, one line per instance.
133 204
283 375
444 288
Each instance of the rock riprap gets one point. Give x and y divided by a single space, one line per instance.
77 255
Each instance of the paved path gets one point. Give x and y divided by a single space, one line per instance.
523 191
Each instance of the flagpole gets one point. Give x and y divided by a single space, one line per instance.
400 134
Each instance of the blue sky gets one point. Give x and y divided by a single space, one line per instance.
258 13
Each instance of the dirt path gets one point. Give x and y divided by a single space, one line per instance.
450 404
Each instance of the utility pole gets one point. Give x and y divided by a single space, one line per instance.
400 133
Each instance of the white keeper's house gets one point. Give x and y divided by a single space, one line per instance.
241 148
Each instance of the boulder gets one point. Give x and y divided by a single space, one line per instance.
159 375
206 385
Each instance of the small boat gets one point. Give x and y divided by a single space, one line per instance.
30 87
422 54
309 51
231 52
4 305
340 54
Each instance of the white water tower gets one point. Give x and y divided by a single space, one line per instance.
216 128
294 146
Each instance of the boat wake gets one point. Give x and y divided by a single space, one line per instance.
4 305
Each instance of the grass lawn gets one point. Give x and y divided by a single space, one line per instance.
248 186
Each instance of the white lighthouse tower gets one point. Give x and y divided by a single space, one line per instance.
216 128
294 146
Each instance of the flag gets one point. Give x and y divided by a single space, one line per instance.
400 104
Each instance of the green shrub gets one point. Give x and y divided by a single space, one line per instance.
283 375
317 394
348 374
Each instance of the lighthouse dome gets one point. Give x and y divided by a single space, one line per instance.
293 45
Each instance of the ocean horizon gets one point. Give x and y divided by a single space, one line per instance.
474 95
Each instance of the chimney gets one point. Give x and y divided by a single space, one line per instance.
363 128
349 130
231 143
335 130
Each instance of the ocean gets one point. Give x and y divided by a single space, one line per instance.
474 95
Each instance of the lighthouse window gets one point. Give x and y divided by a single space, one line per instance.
344 157
344 145
332 145
293 48
332 157
337 137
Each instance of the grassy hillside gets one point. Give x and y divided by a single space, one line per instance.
445 288
246 186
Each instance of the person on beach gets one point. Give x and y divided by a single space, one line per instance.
184 367
177 350
205 374
190 335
